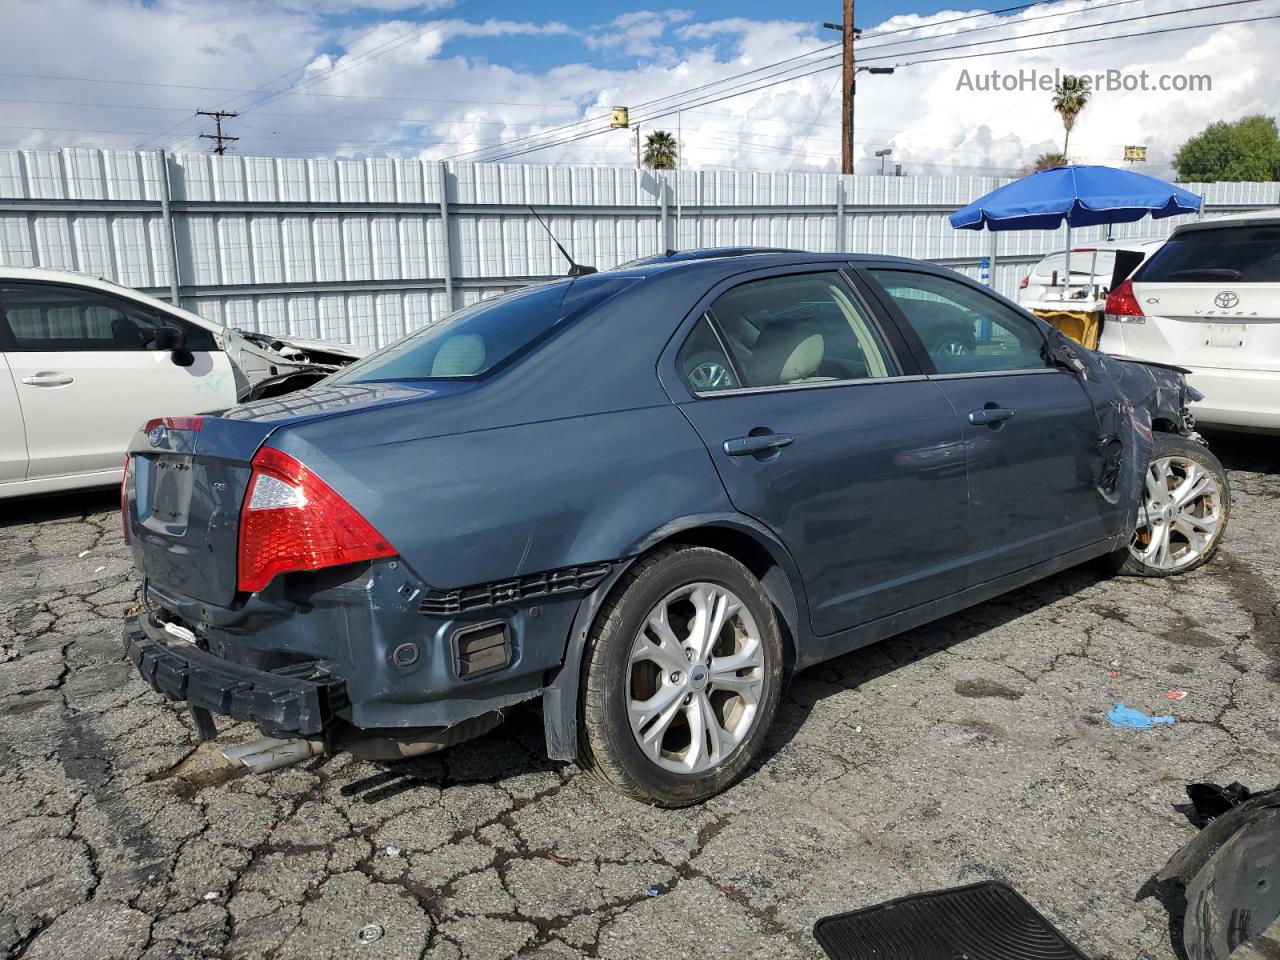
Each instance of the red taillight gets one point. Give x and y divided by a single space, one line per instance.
1026 282
1122 304
124 495
292 521
175 423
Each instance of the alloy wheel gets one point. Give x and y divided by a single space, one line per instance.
710 375
1180 516
696 678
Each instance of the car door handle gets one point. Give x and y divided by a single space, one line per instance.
757 443
989 416
48 380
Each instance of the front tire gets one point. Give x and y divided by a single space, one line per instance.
1186 502
683 672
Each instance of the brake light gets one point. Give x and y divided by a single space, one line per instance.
293 521
124 495
1122 305
1026 282
192 424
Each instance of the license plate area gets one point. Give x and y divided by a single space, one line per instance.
1226 335
170 502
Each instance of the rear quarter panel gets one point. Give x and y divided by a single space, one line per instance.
574 454
475 507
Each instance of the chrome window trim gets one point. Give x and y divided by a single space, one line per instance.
816 385
1020 372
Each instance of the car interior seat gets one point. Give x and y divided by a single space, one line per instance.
788 353
462 355
125 335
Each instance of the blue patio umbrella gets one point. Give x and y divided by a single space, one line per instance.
1080 196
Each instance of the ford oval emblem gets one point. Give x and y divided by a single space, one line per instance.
157 435
1226 300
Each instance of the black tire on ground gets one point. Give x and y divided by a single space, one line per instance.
608 748
1172 445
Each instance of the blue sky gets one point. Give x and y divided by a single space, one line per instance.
546 52
476 79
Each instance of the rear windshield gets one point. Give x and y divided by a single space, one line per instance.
1225 254
473 341
1081 262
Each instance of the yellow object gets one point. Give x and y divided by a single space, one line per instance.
621 117
1135 153
1082 326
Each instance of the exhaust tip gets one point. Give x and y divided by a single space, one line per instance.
263 756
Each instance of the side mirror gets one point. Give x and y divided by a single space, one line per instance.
170 340
166 340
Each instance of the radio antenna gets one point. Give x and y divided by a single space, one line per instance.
575 269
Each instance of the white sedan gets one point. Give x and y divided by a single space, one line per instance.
84 362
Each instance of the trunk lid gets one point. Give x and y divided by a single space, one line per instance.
182 501
1207 325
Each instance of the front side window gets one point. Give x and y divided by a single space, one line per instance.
44 317
471 342
784 331
1221 255
964 330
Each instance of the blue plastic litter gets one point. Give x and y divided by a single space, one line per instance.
652 892
1122 716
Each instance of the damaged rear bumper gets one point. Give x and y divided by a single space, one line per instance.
297 700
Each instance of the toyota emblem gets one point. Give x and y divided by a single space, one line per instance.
1226 300
157 435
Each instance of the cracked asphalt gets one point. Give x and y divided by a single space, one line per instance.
973 748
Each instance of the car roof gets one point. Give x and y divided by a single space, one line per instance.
1137 244
50 275
711 261
1248 218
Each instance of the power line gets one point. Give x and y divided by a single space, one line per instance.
472 154
1019 50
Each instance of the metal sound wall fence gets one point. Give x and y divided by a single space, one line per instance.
367 250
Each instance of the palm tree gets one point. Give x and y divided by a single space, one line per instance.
660 151
1046 161
1070 96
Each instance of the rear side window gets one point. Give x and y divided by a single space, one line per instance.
1225 254
784 331
703 363
475 340
49 318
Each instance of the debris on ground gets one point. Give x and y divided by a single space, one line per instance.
1228 875
1177 694
1122 716
1212 801
652 892
392 851
370 933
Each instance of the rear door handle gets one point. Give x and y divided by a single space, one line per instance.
48 380
759 443
989 416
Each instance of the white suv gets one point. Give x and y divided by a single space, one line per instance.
1209 300
84 362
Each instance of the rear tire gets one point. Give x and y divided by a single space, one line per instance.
1185 507
682 676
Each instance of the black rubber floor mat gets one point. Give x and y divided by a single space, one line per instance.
985 921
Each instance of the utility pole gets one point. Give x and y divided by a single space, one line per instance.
848 86
637 146
218 135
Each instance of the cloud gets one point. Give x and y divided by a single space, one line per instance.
400 82
636 33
